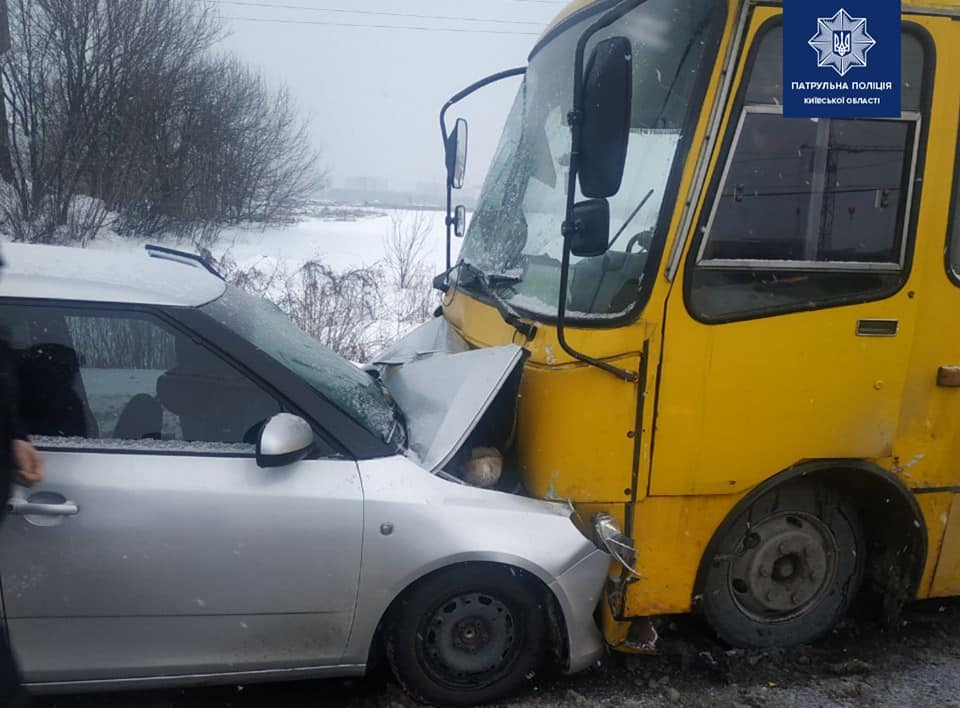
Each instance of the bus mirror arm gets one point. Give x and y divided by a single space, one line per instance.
454 180
623 374
608 84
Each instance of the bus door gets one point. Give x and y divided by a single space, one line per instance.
929 456
791 323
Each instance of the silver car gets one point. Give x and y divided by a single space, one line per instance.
228 501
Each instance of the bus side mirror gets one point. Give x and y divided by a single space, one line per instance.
457 154
607 104
589 230
460 221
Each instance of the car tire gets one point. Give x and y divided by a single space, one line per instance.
784 570
467 636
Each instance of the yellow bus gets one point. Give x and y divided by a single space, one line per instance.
741 328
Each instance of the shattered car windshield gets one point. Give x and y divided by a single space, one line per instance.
346 386
516 230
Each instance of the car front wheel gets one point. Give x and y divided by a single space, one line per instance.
468 635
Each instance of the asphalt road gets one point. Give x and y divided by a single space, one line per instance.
861 664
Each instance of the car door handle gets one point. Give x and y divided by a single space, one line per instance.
28 508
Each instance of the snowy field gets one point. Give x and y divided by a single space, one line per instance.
341 244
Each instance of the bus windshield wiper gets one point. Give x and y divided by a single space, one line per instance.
496 279
487 285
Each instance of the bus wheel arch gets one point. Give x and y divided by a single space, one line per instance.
875 517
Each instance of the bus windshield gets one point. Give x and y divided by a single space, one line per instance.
515 235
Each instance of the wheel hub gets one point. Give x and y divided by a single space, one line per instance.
471 633
783 566
469 639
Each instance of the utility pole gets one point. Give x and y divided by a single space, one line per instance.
6 159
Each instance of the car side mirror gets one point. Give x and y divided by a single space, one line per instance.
589 232
284 440
460 221
457 154
607 104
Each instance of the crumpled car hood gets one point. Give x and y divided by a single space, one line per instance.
443 387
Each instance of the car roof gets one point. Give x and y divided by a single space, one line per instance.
78 274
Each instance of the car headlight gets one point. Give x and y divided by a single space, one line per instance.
610 537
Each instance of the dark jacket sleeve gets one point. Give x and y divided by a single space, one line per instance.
10 394
17 428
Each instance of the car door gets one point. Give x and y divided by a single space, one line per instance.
156 546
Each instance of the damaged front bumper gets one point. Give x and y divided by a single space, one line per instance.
579 591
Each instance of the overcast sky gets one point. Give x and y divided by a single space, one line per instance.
373 95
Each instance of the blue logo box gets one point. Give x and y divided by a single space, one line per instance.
841 58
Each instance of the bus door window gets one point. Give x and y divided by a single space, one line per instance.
808 213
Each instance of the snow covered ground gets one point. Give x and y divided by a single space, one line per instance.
341 244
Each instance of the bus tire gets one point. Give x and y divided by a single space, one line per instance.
784 570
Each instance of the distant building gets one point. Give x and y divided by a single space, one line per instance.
429 189
366 184
378 192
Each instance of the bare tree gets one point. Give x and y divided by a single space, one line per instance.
271 167
410 298
122 101
67 84
340 309
266 278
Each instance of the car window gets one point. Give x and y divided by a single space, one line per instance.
129 378
264 325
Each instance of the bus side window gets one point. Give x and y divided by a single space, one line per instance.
954 246
808 214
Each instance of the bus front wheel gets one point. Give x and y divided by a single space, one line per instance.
785 569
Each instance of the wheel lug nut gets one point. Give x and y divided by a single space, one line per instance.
764 571
795 599
770 596
784 548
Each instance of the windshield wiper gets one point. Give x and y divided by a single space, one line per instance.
633 216
496 279
487 285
